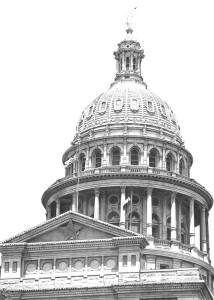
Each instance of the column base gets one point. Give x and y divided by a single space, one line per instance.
122 225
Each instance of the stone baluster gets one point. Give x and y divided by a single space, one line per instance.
122 210
192 223
203 229
173 216
96 204
74 202
149 211
57 207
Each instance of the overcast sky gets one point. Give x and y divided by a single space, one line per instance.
57 56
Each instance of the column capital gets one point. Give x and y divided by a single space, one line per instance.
74 193
57 200
149 191
192 199
173 195
203 208
123 188
96 191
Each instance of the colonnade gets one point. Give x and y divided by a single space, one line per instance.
147 214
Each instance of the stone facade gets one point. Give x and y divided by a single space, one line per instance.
121 223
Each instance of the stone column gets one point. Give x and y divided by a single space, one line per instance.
103 206
117 66
173 216
207 235
164 158
48 212
149 211
145 153
177 166
192 223
104 153
57 207
203 229
122 210
144 214
131 62
179 220
87 159
164 217
96 204
74 201
123 60
124 151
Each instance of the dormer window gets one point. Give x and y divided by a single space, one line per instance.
118 104
127 63
103 106
134 104
163 109
150 106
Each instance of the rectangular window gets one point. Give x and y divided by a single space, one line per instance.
118 103
15 266
6 267
124 260
133 260
134 104
164 267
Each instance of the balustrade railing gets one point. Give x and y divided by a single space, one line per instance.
162 243
185 247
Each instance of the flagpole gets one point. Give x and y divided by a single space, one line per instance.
131 210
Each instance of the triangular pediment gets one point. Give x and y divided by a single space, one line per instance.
70 226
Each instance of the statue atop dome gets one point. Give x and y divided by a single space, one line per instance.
129 19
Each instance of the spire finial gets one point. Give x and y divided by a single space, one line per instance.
129 20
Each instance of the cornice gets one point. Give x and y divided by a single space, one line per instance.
127 175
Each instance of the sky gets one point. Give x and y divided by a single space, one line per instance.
57 56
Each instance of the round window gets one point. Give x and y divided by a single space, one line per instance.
113 200
183 211
91 202
46 267
78 265
155 202
111 263
31 267
62 266
94 264
135 200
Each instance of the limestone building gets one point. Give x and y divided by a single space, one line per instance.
121 223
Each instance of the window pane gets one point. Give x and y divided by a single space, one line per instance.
163 109
98 160
118 104
133 260
83 164
134 63
168 163
134 104
134 157
124 260
127 63
6 267
15 266
116 158
152 159
103 106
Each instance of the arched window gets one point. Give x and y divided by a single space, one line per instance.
134 157
152 158
169 162
134 63
82 162
113 218
181 166
155 226
127 63
134 221
115 157
98 160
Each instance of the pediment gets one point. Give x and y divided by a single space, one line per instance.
70 226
